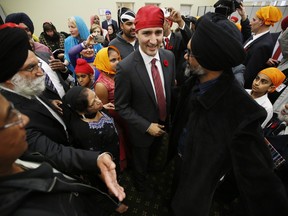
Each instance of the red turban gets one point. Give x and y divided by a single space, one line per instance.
234 19
83 67
149 16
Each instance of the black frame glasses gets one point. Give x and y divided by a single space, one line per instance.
17 122
189 52
32 68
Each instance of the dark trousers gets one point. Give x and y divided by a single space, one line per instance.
143 159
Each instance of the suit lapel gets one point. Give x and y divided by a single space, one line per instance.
143 75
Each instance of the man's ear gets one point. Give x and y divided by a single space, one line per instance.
121 25
271 88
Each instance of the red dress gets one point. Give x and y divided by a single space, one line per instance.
121 126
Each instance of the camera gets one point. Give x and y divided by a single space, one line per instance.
227 7
189 19
99 39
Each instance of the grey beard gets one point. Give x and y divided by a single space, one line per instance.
189 70
198 70
28 87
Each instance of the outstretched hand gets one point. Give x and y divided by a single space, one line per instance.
108 175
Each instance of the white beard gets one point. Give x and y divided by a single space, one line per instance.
28 87
283 114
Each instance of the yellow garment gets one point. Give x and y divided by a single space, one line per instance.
269 14
276 76
102 61
35 38
238 25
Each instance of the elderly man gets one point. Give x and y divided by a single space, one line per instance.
217 128
125 40
258 45
22 82
55 70
143 85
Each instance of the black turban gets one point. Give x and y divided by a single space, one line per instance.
20 18
14 46
216 43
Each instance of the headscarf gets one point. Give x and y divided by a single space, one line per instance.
14 46
20 18
276 76
269 15
83 67
102 61
71 98
149 16
71 41
216 44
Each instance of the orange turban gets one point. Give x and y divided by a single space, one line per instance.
102 61
149 16
269 14
276 76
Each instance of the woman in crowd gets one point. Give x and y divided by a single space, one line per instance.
110 36
106 61
98 33
91 128
51 38
79 32
84 50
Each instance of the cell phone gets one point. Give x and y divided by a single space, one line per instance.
166 12
58 54
99 39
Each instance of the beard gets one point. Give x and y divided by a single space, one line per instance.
28 87
283 114
194 70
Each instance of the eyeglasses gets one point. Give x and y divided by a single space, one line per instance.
189 52
15 118
32 68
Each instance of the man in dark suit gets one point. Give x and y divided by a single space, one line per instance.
211 102
22 82
109 21
176 41
143 93
259 45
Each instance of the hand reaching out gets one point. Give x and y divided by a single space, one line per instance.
108 175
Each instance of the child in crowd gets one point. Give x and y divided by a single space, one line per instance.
84 74
265 82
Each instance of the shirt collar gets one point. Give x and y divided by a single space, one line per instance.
147 59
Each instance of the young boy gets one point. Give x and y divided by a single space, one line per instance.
265 82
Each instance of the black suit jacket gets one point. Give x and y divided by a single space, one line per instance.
258 53
178 44
48 140
134 96
114 23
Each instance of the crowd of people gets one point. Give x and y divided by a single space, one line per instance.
79 109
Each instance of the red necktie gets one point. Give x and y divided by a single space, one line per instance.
167 43
159 90
277 53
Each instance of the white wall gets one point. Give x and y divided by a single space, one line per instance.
57 11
